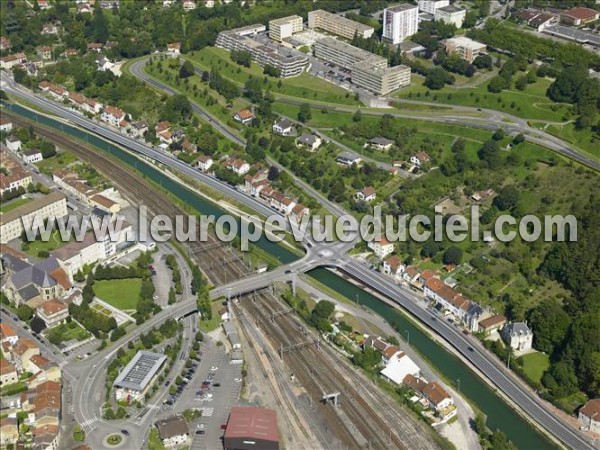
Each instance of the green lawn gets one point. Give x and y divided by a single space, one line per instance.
302 86
122 294
15 203
535 364
584 139
531 103
35 247
66 332
62 160
154 442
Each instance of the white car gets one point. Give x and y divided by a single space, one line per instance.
237 380
213 368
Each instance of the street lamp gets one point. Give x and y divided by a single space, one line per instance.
407 337
458 382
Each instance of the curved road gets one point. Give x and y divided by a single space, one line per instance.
485 362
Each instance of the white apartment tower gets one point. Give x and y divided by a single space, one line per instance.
430 6
399 22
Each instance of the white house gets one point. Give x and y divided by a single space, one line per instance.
380 143
589 415
138 129
393 267
53 312
381 247
244 116
5 125
239 166
174 49
205 162
420 159
189 5
112 115
518 335
283 127
13 143
173 431
309 142
367 194
103 64
348 159
399 366
31 156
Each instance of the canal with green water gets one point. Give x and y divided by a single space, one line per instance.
499 414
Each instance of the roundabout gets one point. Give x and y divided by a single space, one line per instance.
114 440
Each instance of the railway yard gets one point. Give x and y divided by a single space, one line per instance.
219 262
354 421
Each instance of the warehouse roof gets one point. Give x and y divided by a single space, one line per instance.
140 370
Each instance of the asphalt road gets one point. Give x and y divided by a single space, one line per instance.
505 381
470 349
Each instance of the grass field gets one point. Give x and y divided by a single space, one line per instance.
66 332
303 86
584 139
122 294
54 242
535 364
531 103
63 159
13 204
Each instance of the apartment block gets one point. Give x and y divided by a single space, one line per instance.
11 222
400 22
451 14
468 49
378 80
280 29
338 25
289 62
430 6
369 71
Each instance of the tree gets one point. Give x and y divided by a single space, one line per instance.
521 83
37 325
499 134
549 323
437 78
304 115
483 62
489 154
507 198
24 313
99 26
272 71
176 108
186 70
498 84
172 297
453 255
357 117
518 139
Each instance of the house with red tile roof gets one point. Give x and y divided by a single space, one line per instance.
244 116
53 312
579 16
366 194
8 334
393 267
8 373
381 247
112 115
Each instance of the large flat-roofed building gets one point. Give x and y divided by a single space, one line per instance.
378 80
280 29
369 71
345 55
136 378
332 23
468 49
289 62
400 22
430 6
451 14
251 427
49 206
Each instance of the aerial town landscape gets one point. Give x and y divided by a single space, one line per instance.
471 125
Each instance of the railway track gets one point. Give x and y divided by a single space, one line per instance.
219 262
365 417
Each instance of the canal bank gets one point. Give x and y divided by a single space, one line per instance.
500 415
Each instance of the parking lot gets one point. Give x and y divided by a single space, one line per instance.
214 388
